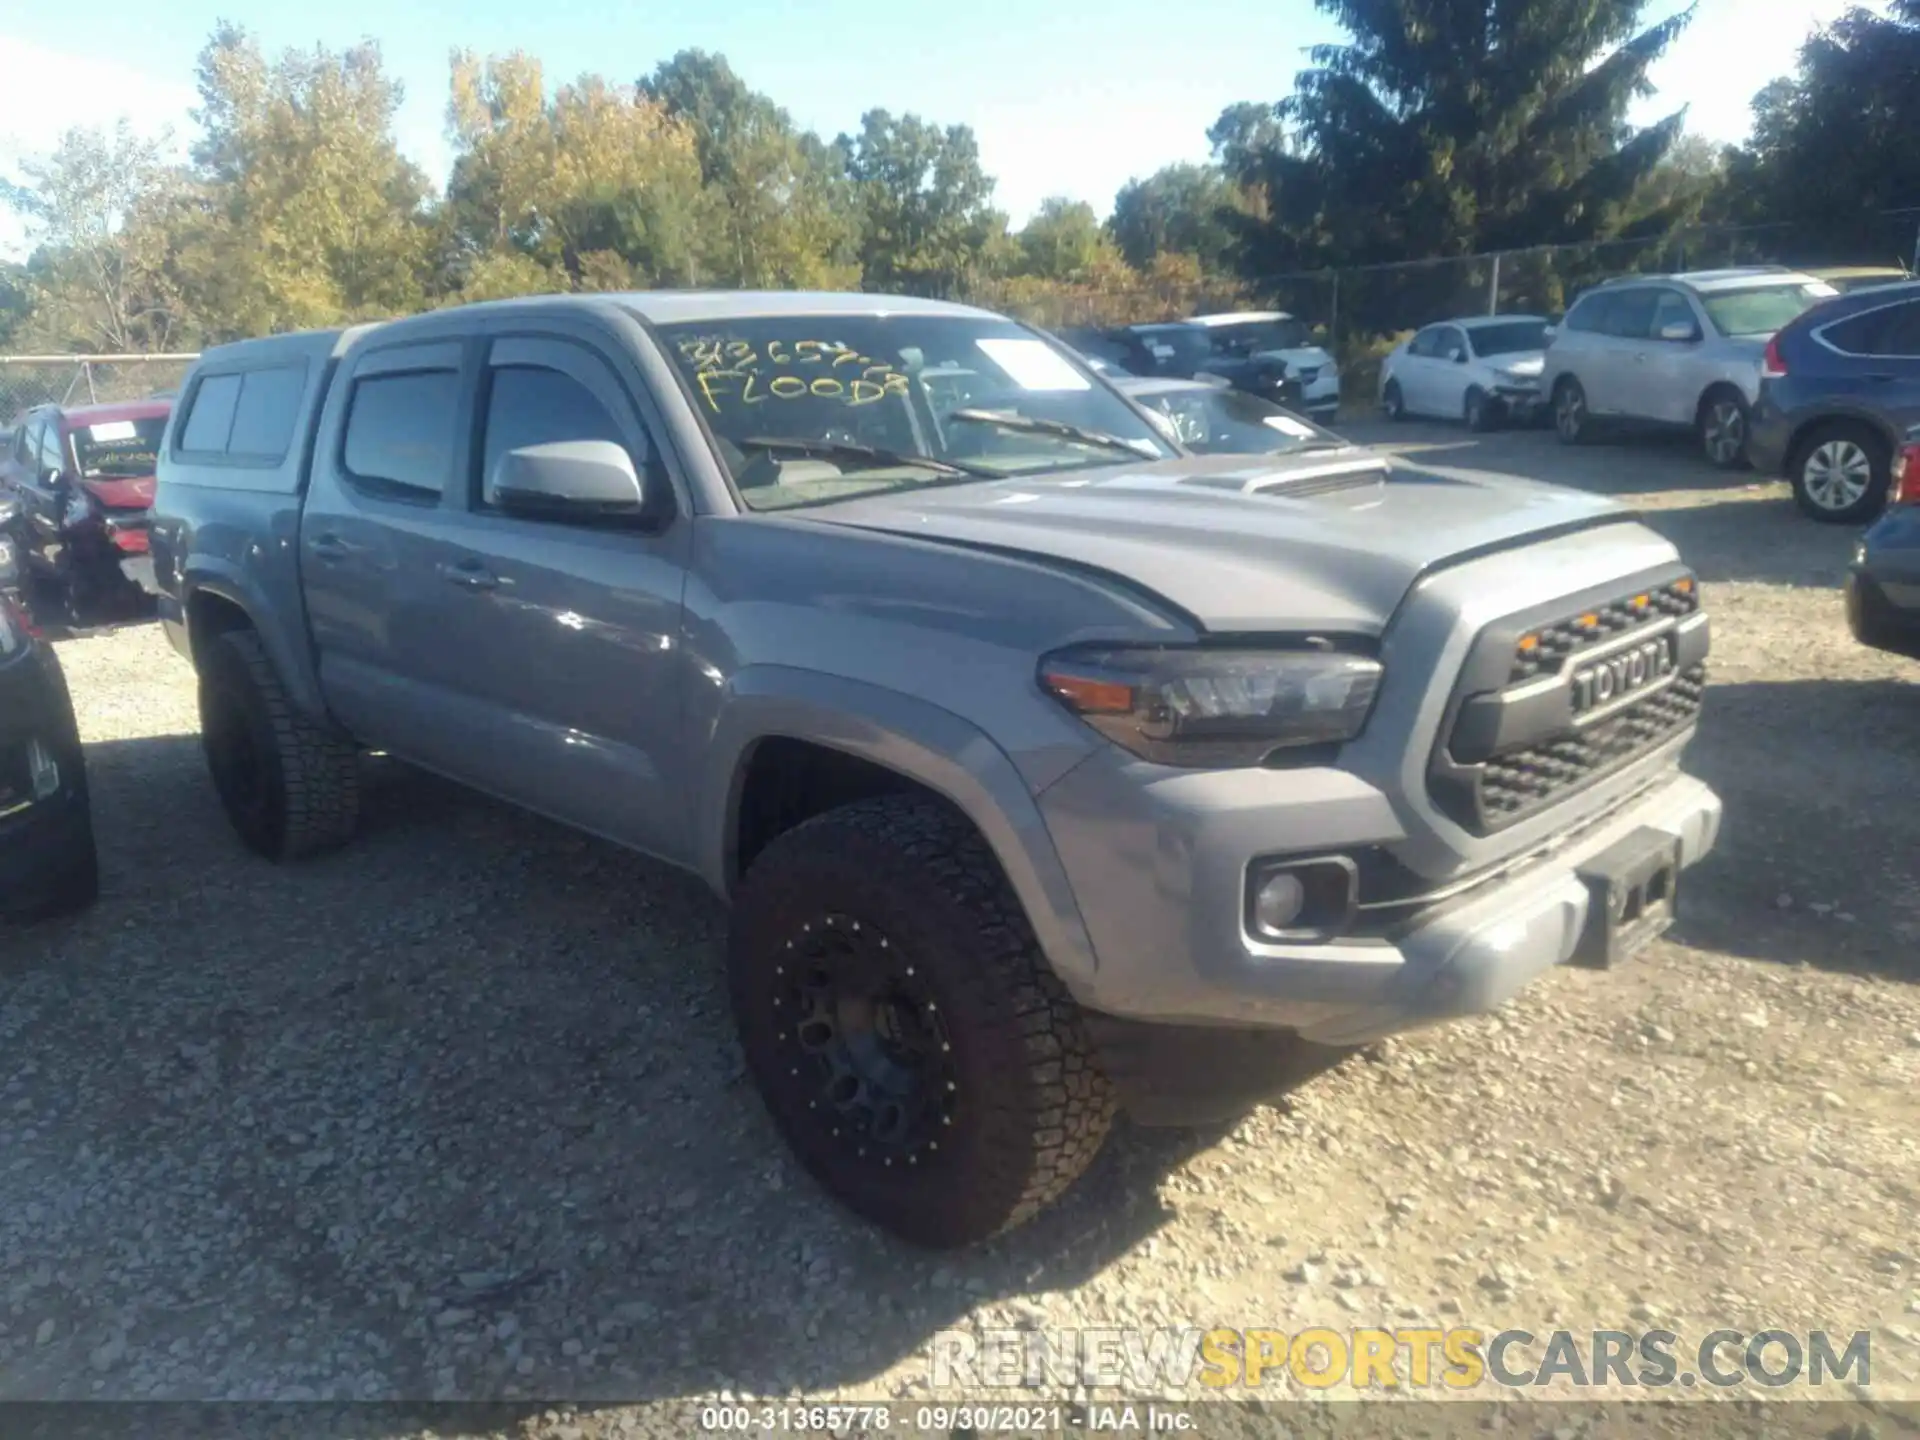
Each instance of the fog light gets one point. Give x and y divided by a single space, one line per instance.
1311 898
1278 902
42 771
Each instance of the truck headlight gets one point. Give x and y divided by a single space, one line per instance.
1218 709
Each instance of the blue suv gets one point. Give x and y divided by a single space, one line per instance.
1839 391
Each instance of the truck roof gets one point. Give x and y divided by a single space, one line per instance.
664 307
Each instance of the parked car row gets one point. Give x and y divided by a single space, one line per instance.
1267 353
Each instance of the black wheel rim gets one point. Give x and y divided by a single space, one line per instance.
866 1043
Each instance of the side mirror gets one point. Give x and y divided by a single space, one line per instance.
569 480
1680 332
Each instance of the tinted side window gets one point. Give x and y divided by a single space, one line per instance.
210 416
264 416
1903 333
53 449
1890 330
531 405
400 431
1590 314
1423 344
1631 315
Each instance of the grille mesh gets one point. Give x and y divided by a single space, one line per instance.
1523 781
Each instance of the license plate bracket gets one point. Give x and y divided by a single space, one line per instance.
1632 887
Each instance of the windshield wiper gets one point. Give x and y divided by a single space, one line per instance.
1061 428
853 450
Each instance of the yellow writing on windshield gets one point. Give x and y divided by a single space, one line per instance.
739 373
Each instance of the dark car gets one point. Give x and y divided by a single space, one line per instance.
1839 389
1182 350
1883 585
48 864
9 545
83 481
1210 418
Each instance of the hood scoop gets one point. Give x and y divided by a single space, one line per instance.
1296 480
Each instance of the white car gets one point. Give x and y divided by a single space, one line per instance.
1276 335
1482 370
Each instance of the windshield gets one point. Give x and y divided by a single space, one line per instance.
118 449
1220 421
812 409
1761 311
1249 337
1509 338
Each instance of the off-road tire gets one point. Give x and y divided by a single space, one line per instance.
301 795
1030 1105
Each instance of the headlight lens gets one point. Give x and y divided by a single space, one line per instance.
1213 708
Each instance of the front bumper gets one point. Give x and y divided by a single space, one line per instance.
1320 396
1160 871
1519 401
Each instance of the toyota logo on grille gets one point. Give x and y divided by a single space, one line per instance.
1625 673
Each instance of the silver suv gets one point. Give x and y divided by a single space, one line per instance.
1674 350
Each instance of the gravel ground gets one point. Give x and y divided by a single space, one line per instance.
457 1113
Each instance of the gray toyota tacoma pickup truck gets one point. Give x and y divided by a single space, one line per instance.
1047 770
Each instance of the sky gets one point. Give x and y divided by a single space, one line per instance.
1070 98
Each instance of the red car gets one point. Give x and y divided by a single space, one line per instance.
83 480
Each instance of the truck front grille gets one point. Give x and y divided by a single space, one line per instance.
1520 782
1556 699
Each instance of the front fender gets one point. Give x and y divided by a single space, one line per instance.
913 738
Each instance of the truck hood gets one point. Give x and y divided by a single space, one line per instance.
1324 542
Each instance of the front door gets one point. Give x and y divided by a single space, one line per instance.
563 639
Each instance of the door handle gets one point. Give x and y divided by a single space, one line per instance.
329 547
468 574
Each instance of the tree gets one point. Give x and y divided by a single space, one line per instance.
1064 241
305 212
597 171
784 212
928 221
1182 209
1446 127
93 207
1833 144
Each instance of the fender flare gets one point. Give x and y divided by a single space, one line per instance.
213 576
914 738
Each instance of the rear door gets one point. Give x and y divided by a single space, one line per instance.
1879 369
373 547
1614 374
559 643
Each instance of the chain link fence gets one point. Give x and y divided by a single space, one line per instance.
30 380
1366 311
